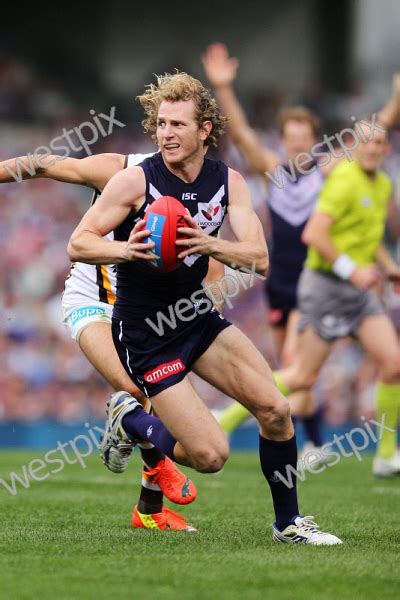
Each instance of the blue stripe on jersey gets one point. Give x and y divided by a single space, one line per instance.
156 223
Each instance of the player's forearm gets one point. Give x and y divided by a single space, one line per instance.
258 158
389 114
214 280
230 105
87 247
322 242
8 172
343 265
384 259
215 272
17 169
26 167
241 254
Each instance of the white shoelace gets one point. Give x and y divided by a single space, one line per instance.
308 524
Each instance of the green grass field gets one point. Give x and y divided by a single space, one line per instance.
70 537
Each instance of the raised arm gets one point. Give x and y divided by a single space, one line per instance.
221 70
390 113
250 249
388 116
93 171
124 193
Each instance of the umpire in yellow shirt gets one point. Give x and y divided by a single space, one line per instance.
344 236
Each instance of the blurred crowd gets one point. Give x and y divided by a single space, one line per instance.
43 374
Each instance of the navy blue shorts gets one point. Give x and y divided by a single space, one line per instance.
281 291
280 305
154 362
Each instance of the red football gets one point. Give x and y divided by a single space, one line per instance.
163 218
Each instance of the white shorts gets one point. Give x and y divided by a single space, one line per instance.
76 317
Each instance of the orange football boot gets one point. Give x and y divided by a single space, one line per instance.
173 483
167 519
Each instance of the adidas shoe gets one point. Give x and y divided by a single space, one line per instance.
167 519
304 530
116 447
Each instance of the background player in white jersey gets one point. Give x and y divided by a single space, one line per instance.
292 196
87 305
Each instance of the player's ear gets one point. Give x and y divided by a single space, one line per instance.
205 130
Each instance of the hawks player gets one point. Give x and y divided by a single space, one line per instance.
87 305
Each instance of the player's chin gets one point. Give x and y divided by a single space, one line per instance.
173 157
370 164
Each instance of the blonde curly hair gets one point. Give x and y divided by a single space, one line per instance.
181 86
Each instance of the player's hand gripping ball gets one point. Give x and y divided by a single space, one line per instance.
163 218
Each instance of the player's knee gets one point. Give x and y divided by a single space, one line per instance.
389 371
211 459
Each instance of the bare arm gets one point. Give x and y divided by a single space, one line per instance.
221 70
317 235
124 193
215 275
386 262
215 271
389 114
250 249
94 171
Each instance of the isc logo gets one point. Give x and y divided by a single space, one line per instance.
189 196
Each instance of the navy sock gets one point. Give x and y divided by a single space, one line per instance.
276 456
141 426
151 456
312 427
